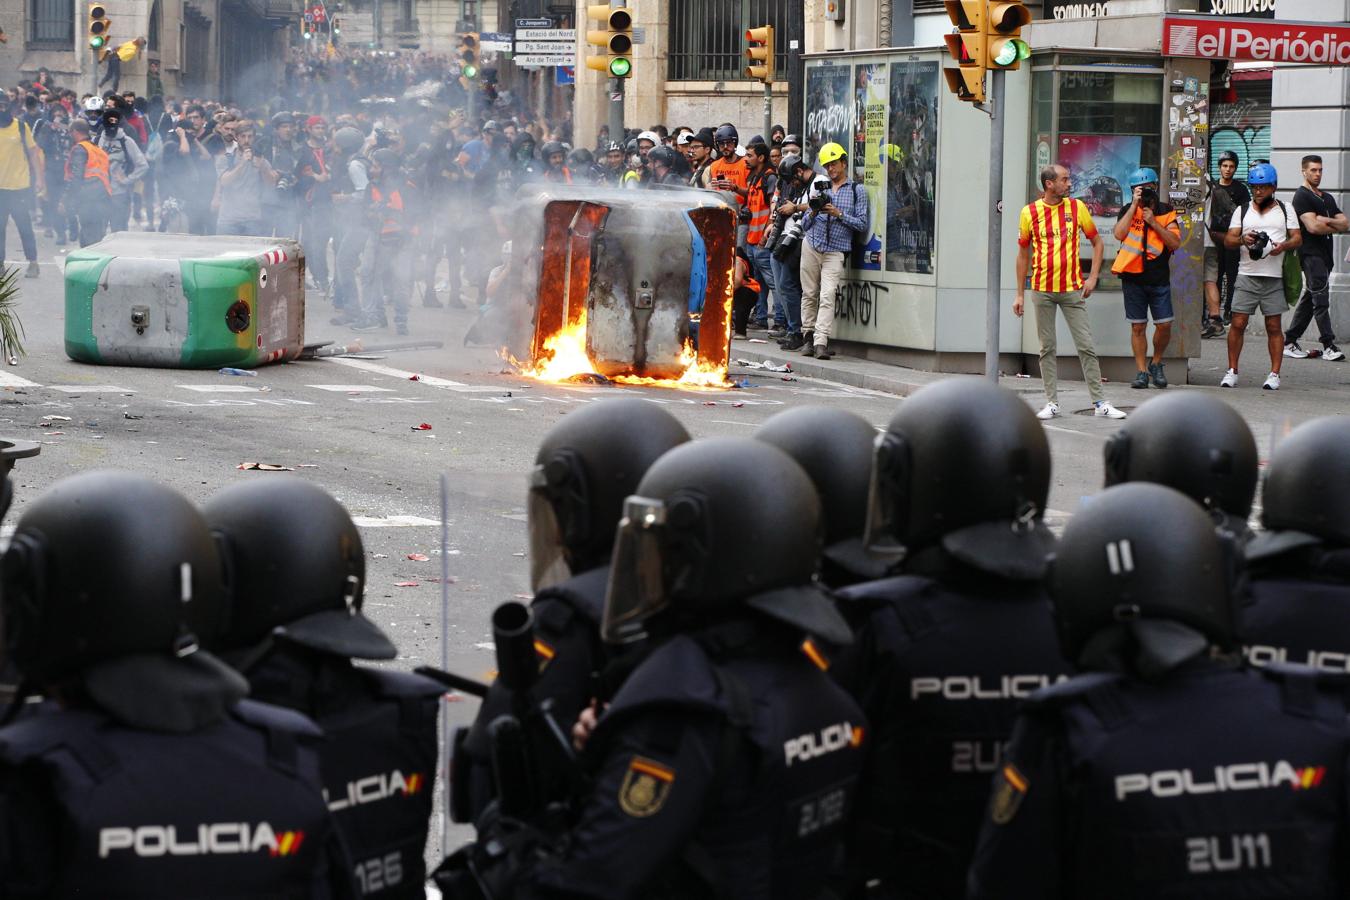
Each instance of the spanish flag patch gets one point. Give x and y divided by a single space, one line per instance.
646 785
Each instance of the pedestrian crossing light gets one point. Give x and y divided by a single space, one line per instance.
99 26
468 55
967 46
1003 35
614 37
760 53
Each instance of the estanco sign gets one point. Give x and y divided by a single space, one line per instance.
1274 41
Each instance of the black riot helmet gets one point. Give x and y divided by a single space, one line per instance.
726 133
681 546
1142 558
1307 489
663 155
587 464
110 578
965 464
297 571
787 169
1193 443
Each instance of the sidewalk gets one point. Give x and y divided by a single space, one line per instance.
1311 387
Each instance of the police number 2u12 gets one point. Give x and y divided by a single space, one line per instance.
1227 853
379 872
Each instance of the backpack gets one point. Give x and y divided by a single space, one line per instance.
1291 271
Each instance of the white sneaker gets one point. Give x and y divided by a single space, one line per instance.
1106 411
1332 353
1272 382
1294 351
1229 379
1049 411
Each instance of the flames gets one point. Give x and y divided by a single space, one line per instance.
563 357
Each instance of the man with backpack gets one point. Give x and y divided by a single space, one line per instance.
19 172
833 216
1263 230
126 166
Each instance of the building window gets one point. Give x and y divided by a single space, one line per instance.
51 24
152 39
710 35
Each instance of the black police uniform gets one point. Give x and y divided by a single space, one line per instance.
572 659
941 667
92 808
727 765
1297 609
1218 782
378 762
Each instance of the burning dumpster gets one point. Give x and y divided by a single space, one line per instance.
185 301
632 285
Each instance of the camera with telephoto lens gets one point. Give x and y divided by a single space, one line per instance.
1260 240
818 195
1148 198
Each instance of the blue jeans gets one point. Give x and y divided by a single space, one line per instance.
762 260
788 292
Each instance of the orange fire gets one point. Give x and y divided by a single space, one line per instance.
564 357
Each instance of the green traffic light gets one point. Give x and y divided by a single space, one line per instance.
1011 51
97 42
620 67
469 71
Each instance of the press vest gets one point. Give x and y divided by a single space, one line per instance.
1142 243
772 828
392 222
95 164
234 809
757 202
734 171
948 670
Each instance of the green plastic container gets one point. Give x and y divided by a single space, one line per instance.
185 301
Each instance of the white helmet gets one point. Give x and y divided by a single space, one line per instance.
93 104
650 136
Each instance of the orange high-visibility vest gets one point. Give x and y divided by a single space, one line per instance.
95 164
1142 243
393 222
759 207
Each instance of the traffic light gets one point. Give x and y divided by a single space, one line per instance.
337 26
99 26
760 53
1003 35
615 37
967 46
468 55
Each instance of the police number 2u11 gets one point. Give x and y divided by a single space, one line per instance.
379 872
1227 853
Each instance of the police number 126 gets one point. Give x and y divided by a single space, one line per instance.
1228 853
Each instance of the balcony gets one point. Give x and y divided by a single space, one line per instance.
406 28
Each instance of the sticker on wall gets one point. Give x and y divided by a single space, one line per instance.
262 279
1192 85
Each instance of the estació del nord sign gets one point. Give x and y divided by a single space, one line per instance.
1262 41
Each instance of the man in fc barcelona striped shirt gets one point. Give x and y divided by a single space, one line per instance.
1048 247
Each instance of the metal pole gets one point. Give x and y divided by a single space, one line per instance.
993 286
796 32
445 663
616 110
768 108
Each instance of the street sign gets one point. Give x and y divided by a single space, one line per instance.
564 75
499 41
545 47
1262 41
534 23
545 59
547 34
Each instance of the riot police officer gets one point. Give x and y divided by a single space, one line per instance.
1195 444
728 761
1297 607
585 467
144 774
834 447
948 649
298 571
1172 770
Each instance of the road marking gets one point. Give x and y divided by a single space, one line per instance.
734 422
351 388
90 389
8 379
404 374
220 388
394 522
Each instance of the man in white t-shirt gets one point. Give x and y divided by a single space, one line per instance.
1264 230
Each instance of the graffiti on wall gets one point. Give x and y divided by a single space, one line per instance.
859 302
1242 128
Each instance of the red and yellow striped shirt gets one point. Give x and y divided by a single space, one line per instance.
1052 231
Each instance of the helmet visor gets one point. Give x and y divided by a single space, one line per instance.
548 553
885 495
636 587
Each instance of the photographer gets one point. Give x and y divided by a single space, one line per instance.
244 178
1263 230
835 212
785 243
1148 233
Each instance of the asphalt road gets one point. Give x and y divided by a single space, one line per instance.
350 425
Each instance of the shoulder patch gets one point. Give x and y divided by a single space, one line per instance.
645 787
1009 792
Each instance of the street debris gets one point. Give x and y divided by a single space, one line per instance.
418 557
768 365
787 378
132 416
425 426
737 405
587 378
307 466
230 370
380 555
52 433
56 418
406 584
263 467
414 377
709 402
757 341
